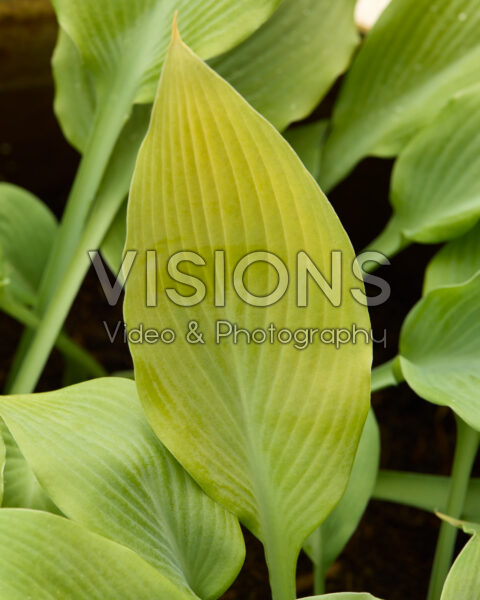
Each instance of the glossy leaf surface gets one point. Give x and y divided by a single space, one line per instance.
268 430
96 456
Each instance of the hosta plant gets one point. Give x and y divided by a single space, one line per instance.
245 308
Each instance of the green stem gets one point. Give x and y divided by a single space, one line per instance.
389 243
425 492
33 351
318 565
281 575
92 167
63 343
465 453
386 375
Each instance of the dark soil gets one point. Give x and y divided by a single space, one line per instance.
391 553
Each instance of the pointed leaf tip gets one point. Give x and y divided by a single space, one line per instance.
176 37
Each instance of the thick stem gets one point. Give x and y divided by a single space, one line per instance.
281 570
106 131
92 167
63 343
465 453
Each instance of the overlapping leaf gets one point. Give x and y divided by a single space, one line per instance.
27 229
435 186
456 262
287 66
44 556
307 141
419 53
329 540
112 51
440 349
268 430
93 451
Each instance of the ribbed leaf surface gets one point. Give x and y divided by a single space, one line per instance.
286 67
93 451
435 186
269 430
418 54
47 557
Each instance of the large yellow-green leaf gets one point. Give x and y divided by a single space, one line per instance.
418 54
269 430
47 557
435 185
93 451
456 262
287 66
463 581
440 349
27 229
327 542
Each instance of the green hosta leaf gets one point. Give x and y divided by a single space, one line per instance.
463 581
288 65
435 188
47 557
307 141
440 349
97 457
456 262
418 54
330 539
25 243
268 430
21 487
